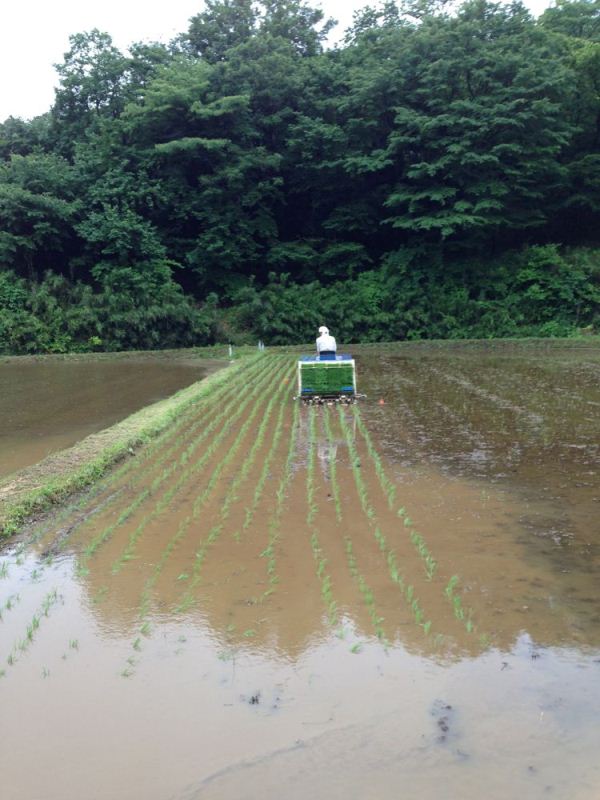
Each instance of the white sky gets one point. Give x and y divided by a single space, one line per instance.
34 35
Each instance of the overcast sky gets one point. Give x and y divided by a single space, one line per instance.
34 35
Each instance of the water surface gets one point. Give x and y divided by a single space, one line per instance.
248 611
46 406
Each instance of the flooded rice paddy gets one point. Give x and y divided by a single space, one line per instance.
46 406
357 602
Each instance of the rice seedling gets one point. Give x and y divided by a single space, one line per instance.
321 561
430 564
388 487
259 488
145 599
335 489
421 547
221 385
230 497
100 595
105 534
365 590
274 525
407 591
229 416
463 615
4 569
227 655
22 646
187 425
10 602
193 420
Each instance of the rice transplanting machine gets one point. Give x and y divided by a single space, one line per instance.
326 379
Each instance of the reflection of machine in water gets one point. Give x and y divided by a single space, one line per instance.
326 453
329 442
327 378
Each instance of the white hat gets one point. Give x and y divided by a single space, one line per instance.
323 329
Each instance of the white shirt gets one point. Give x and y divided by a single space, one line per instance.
326 342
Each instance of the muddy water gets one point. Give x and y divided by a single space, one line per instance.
47 406
273 602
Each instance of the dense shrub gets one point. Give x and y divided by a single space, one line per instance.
539 291
57 316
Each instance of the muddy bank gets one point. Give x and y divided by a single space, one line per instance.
55 477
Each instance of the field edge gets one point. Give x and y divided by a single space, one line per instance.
49 482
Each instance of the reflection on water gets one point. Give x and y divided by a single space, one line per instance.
46 406
524 426
192 630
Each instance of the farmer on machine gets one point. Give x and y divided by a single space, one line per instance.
326 346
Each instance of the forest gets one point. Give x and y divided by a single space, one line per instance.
436 174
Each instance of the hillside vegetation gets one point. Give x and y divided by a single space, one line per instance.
434 175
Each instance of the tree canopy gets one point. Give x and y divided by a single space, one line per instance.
408 168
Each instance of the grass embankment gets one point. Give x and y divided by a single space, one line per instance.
181 355
35 489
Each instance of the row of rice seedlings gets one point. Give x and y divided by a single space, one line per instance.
167 497
190 422
387 485
20 647
464 615
364 589
211 400
430 568
8 604
164 501
186 427
311 513
407 590
335 489
214 445
231 495
260 485
389 489
146 596
185 523
193 420
215 398
274 524
207 429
